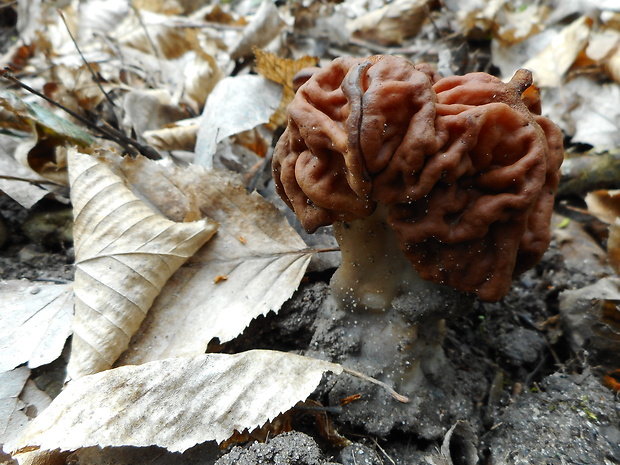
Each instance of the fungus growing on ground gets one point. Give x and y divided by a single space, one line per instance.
451 180
452 177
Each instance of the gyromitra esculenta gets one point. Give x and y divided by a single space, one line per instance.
453 178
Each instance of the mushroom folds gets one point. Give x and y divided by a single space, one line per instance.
466 165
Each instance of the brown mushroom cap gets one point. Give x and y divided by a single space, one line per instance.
466 165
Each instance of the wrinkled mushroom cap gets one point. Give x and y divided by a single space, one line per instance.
466 165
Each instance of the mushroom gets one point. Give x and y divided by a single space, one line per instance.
451 178
430 183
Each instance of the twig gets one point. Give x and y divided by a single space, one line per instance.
146 32
31 181
145 150
92 71
383 451
105 131
8 74
393 393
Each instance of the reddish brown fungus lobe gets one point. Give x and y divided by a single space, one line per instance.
466 165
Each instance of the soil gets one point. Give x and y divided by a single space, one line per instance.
505 387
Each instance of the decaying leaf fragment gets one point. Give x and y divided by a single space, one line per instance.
187 400
124 254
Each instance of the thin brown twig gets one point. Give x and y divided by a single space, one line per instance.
92 71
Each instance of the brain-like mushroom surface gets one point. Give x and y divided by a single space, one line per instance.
466 165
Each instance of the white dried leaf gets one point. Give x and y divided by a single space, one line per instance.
98 17
149 110
252 265
236 104
587 111
392 23
153 29
31 401
263 28
550 65
12 417
176 403
514 26
124 254
36 321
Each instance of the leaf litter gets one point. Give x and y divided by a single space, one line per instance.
161 64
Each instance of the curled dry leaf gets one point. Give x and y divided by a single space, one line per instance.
187 400
124 254
36 320
172 138
261 255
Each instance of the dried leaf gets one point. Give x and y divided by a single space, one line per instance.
391 24
98 17
236 104
613 246
281 71
36 321
12 418
514 26
25 193
604 204
263 28
150 110
551 63
44 120
580 251
153 29
172 138
125 253
201 76
255 248
188 400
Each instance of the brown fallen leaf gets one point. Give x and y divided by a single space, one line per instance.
124 255
281 71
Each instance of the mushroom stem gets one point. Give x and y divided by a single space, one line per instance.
399 336
373 270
